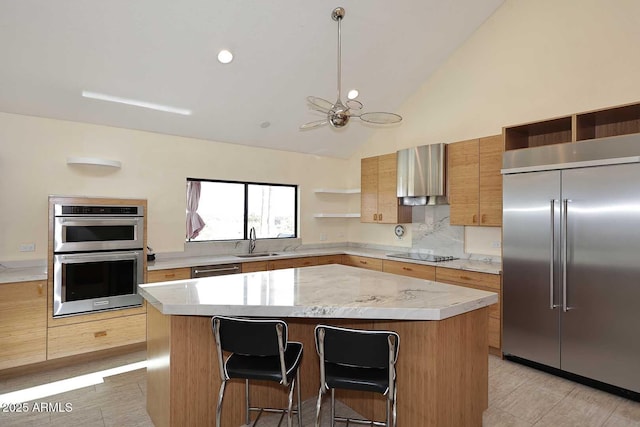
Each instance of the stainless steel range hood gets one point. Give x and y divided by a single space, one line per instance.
421 175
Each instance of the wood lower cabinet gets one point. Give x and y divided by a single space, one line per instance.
379 197
362 262
329 259
427 272
97 335
475 182
23 323
169 274
484 282
292 263
251 267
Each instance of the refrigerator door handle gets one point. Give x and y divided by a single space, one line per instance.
565 251
552 304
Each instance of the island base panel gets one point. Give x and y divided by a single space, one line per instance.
442 372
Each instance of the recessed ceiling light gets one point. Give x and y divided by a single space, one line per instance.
353 94
136 103
224 56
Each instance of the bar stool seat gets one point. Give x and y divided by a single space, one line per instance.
357 359
260 350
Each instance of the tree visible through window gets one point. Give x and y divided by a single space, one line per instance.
229 209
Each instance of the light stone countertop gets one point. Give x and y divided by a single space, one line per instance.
459 264
39 272
326 291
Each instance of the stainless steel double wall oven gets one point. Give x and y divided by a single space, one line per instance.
98 257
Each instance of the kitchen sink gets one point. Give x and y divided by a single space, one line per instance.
255 255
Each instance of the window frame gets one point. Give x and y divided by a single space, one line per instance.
245 219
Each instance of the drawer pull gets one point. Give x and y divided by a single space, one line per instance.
465 277
100 334
407 269
363 262
170 275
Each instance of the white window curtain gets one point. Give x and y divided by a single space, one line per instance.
195 224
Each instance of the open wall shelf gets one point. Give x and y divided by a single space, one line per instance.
613 121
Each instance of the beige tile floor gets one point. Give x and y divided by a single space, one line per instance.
518 397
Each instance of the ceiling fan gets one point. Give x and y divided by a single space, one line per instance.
339 113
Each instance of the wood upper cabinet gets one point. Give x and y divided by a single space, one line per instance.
379 199
23 323
475 182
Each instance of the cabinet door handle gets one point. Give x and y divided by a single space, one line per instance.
100 334
483 218
375 217
379 217
474 219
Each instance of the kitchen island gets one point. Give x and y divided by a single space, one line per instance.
442 366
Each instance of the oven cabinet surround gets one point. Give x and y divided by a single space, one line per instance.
442 367
23 323
84 333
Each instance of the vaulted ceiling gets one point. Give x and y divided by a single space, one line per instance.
165 52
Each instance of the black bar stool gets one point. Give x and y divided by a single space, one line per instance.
260 351
357 359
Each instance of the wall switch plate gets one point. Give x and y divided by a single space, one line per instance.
495 245
323 237
27 247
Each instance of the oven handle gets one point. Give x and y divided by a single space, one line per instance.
82 220
75 258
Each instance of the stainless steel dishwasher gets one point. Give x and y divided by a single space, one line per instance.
215 270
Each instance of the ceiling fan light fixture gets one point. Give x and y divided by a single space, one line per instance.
225 56
339 113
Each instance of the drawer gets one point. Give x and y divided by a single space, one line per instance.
97 335
293 263
427 272
362 262
250 267
329 259
462 277
154 276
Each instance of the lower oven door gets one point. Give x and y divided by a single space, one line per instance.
95 281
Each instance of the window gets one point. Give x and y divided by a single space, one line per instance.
226 210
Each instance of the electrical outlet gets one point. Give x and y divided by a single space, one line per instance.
495 245
323 237
27 247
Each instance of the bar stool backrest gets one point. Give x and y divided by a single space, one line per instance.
354 347
251 337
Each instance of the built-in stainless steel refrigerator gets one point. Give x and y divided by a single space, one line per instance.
571 258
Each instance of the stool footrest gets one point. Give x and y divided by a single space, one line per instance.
360 421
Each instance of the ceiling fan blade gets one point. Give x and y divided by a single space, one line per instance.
354 105
319 104
381 118
313 125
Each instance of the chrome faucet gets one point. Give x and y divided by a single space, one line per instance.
252 240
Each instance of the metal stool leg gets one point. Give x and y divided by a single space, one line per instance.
319 407
219 407
333 407
290 404
299 399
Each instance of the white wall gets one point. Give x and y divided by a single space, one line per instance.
530 61
33 154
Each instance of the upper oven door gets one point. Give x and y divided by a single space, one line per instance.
75 234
